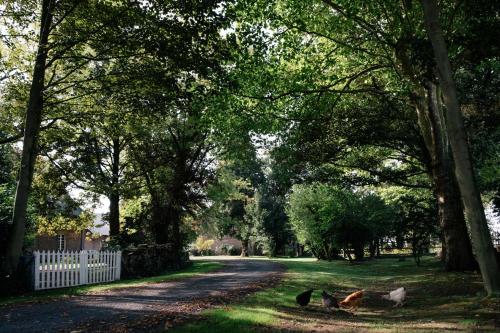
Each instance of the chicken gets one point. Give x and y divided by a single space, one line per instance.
329 301
398 296
304 298
353 300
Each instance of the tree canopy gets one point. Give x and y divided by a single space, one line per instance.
343 128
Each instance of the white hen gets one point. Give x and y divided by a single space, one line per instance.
398 296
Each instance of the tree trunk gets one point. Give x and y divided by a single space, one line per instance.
244 248
443 247
373 248
457 255
114 214
174 216
474 210
359 252
114 197
458 250
31 130
160 224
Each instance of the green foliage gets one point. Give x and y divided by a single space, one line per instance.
229 196
7 190
55 209
327 218
203 245
254 227
166 106
416 220
135 219
6 202
7 184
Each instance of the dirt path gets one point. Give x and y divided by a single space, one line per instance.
147 308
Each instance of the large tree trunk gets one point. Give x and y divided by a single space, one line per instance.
175 221
114 214
166 225
474 210
458 250
31 130
457 255
160 224
114 197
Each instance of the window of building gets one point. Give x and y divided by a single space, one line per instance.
61 242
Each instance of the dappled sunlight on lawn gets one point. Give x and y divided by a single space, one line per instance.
437 301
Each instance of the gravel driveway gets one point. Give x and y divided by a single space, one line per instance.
122 307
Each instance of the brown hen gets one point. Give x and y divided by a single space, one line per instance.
353 300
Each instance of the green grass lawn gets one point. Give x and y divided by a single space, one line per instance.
437 301
197 268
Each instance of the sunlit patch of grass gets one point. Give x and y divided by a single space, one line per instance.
437 301
233 319
197 268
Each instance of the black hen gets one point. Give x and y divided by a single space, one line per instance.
304 298
329 301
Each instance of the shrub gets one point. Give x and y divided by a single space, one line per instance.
203 245
327 218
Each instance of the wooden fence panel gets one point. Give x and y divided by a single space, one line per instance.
58 269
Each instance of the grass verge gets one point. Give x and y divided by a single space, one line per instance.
437 301
197 268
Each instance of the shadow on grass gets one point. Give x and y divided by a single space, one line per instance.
437 301
196 269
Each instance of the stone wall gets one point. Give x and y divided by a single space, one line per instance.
149 260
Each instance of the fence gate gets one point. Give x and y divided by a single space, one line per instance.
59 269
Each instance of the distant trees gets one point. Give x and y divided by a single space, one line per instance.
414 216
234 208
328 219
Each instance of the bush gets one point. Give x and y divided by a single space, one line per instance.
327 218
203 246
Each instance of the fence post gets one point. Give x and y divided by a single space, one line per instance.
83 267
37 270
118 264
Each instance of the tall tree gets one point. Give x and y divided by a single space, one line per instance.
89 153
173 160
69 40
474 210
349 52
31 131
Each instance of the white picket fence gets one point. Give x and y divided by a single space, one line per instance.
59 269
